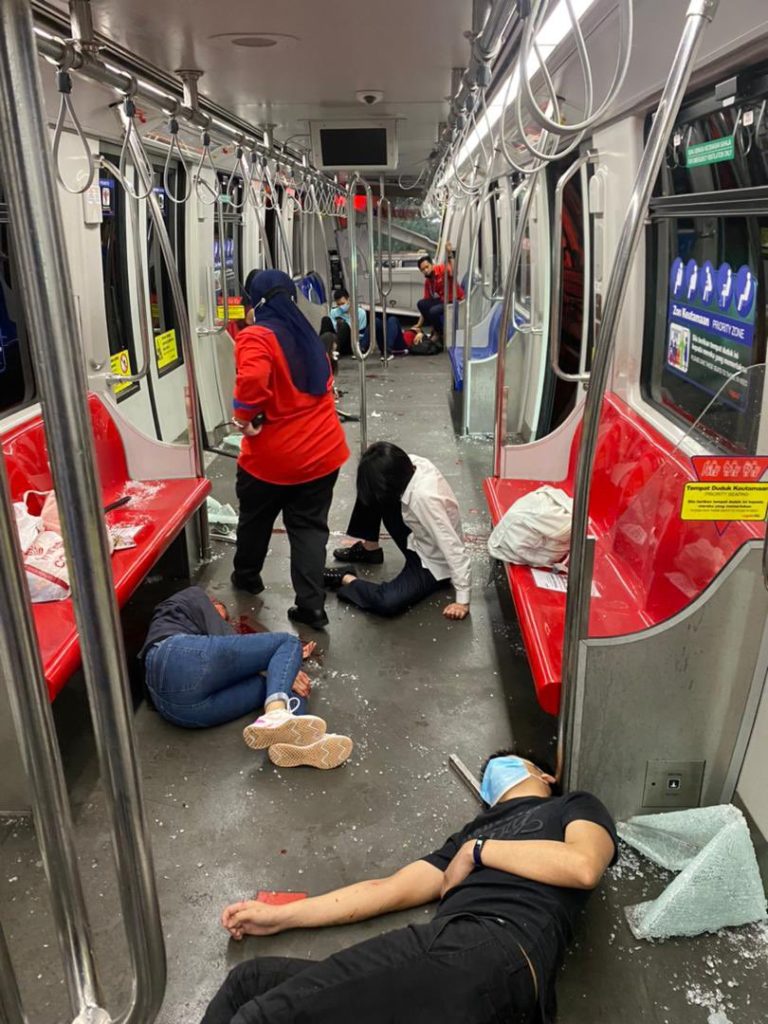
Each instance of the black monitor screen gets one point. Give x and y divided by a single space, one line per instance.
354 147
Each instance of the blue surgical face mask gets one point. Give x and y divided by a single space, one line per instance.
501 775
344 307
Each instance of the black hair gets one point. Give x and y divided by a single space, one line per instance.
340 293
423 259
541 762
383 474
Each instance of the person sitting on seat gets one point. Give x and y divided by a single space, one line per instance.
420 511
342 324
432 306
200 673
511 885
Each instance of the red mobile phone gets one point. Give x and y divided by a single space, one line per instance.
277 899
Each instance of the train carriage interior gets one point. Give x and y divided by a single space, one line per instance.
589 180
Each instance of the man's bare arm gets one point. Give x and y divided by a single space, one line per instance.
577 863
412 886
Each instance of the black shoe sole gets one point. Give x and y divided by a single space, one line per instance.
335 582
308 618
248 588
342 555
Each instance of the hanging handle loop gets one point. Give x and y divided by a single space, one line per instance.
173 128
207 194
64 86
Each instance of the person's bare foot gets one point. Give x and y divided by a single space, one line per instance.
308 649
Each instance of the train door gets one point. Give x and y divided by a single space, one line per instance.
525 363
123 272
570 320
200 251
167 377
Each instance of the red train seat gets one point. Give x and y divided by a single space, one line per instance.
649 564
161 507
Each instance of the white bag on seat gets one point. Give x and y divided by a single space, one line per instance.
27 526
536 530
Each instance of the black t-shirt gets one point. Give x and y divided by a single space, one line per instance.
188 613
542 916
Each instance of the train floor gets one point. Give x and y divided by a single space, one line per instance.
225 823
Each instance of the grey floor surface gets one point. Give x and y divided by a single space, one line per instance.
226 823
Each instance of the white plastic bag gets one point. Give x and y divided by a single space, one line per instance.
27 525
536 530
45 564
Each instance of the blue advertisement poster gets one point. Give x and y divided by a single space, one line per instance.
711 326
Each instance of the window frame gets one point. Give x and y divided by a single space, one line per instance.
175 227
27 366
664 212
123 302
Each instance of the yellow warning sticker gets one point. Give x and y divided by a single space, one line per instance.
235 312
166 349
721 502
120 363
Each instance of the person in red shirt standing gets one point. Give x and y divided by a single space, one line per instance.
293 444
432 306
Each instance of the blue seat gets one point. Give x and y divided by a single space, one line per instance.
479 352
313 289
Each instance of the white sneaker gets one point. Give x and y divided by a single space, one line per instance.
282 726
328 752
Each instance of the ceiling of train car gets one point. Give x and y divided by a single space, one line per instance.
324 52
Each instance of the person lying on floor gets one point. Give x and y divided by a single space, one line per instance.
510 884
418 508
200 673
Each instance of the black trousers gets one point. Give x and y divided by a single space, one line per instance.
413 583
305 510
344 334
433 313
451 971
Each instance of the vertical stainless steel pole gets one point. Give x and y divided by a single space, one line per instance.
11 1010
30 708
700 13
28 178
354 327
507 312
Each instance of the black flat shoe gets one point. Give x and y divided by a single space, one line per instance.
314 617
358 552
253 586
332 578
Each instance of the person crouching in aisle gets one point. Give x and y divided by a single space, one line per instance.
418 508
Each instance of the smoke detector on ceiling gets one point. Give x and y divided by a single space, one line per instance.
369 97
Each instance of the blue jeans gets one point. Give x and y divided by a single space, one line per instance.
198 681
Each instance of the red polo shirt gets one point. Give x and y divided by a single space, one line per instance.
301 439
434 286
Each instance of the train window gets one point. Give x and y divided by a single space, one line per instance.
406 214
168 354
706 324
720 143
117 300
17 378
227 251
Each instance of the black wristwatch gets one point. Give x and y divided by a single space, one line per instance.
477 852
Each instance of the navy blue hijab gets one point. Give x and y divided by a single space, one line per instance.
273 296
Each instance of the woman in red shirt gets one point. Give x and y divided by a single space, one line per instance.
293 446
